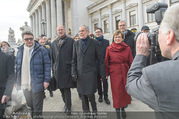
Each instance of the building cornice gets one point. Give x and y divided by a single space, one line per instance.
131 5
99 5
117 11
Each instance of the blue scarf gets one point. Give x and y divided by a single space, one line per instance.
100 39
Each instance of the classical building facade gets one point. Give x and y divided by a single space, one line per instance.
45 15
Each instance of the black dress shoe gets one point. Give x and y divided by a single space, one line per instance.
68 112
123 113
100 99
107 101
51 93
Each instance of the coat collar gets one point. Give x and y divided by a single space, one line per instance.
176 56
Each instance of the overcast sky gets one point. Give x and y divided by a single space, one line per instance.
13 14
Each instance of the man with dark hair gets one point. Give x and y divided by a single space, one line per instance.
6 79
86 54
158 85
103 45
33 72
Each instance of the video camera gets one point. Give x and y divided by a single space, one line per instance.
159 9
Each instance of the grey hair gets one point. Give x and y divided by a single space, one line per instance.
122 21
86 27
171 21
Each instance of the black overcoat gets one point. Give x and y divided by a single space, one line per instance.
84 65
61 62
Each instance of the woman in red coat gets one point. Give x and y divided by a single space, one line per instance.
117 62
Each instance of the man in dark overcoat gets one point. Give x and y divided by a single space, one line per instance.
102 89
128 36
62 49
86 52
6 79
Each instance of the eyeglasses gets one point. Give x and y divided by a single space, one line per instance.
98 32
27 39
122 25
117 37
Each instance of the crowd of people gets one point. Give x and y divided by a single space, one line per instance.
86 61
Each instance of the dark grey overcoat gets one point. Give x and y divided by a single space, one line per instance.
61 65
84 65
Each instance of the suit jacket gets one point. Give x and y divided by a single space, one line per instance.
129 40
84 65
156 85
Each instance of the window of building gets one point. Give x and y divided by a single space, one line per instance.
132 17
173 2
95 26
106 28
117 20
150 17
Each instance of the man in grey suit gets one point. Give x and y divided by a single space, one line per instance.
158 85
86 53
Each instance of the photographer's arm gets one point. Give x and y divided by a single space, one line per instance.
138 84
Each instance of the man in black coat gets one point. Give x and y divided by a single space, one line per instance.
103 45
86 52
128 36
62 49
6 79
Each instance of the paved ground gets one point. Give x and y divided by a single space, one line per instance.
54 108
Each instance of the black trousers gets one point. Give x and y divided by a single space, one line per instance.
35 102
66 96
85 103
105 87
2 106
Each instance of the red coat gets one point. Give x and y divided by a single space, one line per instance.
117 62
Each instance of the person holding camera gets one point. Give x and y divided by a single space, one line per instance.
157 85
117 62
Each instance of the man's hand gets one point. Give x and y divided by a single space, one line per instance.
46 85
142 45
5 98
74 77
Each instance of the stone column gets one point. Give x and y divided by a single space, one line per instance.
74 17
53 18
99 17
124 10
33 24
40 19
48 19
65 8
90 26
140 18
110 20
36 24
59 12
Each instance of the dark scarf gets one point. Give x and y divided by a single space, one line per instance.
61 39
83 41
100 39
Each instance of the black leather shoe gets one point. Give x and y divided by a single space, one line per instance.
107 101
123 114
100 99
51 93
65 108
68 112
